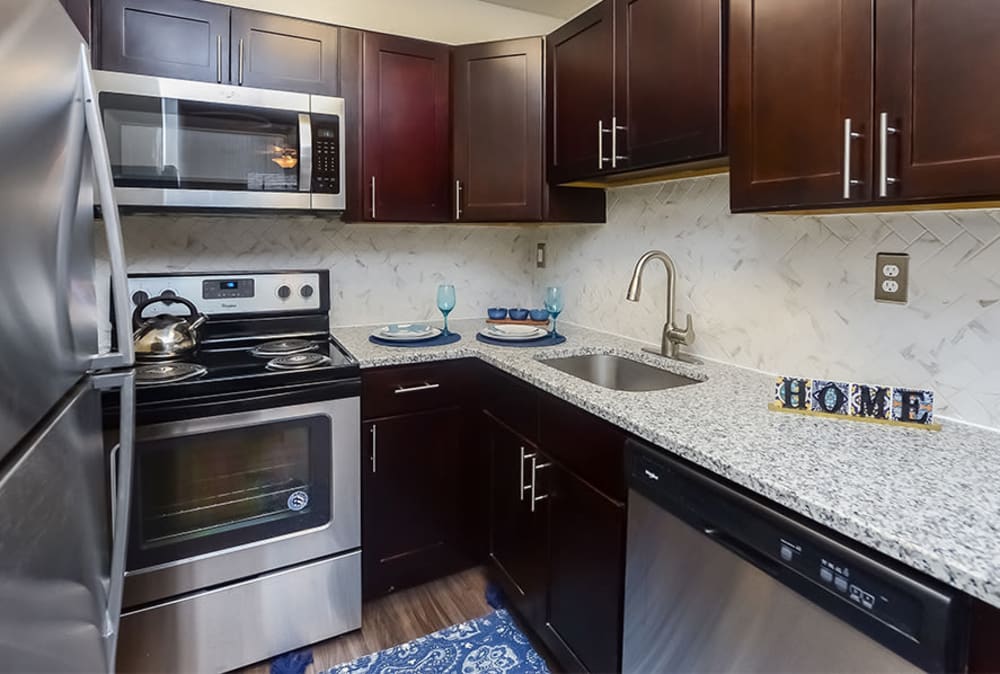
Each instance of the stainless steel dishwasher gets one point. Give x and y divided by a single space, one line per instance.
720 582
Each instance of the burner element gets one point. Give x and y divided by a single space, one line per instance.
283 347
298 361
167 373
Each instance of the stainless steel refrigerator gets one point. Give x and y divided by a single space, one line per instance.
63 494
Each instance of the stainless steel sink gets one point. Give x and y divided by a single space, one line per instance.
620 374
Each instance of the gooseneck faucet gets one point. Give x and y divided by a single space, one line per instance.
673 337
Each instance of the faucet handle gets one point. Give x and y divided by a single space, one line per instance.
685 336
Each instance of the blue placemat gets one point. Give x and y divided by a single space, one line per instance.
440 340
547 340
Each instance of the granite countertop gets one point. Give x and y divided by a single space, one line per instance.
930 500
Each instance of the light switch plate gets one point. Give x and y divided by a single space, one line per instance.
892 278
540 256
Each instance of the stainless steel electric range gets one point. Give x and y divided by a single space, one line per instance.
244 534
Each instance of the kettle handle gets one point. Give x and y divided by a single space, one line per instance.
137 320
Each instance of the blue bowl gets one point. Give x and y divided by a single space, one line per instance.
497 313
539 314
518 314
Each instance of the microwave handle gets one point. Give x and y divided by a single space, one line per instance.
125 356
305 153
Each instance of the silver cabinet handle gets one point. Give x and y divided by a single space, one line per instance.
525 487
849 137
615 157
458 199
374 448
883 155
520 491
535 467
218 58
305 152
414 389
241 63
373 197
601 159
125 355
650 474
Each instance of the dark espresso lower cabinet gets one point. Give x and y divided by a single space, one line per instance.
410 500
518 524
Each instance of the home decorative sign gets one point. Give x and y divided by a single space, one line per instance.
858 402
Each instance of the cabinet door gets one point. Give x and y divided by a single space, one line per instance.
278 52
183 39
668 81
498 151
410 500
936 69
798 70
407 146
518 532
580 93
586 573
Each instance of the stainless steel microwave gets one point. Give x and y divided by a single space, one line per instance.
181 144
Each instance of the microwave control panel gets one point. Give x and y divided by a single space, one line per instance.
326 154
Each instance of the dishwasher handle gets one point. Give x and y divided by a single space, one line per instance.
743 551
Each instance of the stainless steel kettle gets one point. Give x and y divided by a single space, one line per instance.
166 337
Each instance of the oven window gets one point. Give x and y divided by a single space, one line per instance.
200 493
168 143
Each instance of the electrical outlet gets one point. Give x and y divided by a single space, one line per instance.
892 277
540 256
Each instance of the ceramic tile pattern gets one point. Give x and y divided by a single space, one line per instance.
794 294
378 272
917 496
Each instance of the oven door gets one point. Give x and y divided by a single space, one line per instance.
222 498
175 143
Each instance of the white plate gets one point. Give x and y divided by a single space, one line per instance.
407 332
536 333
511 330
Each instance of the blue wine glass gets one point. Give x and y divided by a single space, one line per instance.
446 302
554 304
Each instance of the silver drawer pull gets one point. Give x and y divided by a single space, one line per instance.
415 389
651 475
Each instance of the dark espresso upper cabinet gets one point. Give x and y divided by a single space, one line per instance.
798 70
278 52
936 67
832 105
406 144
498 115
580 93
668 83
635 84
184 39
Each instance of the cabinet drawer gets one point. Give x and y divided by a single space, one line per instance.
390 391
589 447
512 402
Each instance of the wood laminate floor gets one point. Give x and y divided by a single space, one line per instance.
401 617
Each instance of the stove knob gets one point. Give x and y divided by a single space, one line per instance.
284 292
306 291
169 293
139 296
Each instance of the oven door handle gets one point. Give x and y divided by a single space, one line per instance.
305 153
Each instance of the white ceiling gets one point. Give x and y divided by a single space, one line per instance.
561 9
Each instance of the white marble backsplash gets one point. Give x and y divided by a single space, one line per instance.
378 272
794 294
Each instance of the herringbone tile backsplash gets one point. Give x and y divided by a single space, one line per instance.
794 294
789 294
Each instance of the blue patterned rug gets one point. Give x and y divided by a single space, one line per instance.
489 645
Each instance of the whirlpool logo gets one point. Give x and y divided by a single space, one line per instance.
298 500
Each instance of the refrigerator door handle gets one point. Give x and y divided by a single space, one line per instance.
125 356
121 490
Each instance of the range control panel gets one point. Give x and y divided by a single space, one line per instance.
219 294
